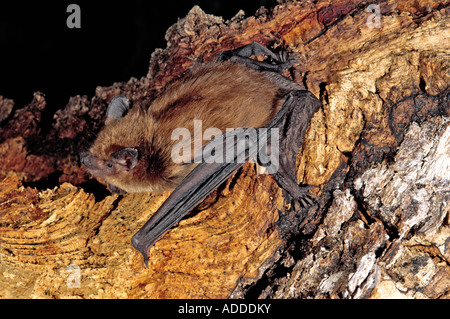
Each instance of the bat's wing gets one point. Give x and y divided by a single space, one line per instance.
242 144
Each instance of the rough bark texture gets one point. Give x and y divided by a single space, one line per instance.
378 150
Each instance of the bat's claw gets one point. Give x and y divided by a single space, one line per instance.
294 58
273 62
302 198
140 246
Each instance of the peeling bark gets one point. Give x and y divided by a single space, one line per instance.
378 150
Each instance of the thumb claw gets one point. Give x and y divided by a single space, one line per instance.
141 247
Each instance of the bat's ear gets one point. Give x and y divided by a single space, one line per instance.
126 157
117 108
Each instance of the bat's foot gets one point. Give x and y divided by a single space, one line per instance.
288 59
302 198
297 194
273 63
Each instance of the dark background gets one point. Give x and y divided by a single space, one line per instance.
39 53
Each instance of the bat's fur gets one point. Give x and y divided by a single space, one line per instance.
133 152
220 94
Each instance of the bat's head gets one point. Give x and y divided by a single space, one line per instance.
114 168
117 156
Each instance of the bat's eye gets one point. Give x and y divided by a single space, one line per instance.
109 165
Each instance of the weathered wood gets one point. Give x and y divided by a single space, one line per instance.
378 150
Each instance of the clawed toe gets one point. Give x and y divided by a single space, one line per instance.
303 198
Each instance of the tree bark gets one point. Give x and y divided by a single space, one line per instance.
378 151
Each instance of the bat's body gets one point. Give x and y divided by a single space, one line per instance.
134 152
220 94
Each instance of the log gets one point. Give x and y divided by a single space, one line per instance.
378 151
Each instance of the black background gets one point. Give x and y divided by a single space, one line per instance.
38 52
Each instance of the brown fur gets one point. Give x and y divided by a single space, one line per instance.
222 95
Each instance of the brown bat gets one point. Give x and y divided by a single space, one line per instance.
139 149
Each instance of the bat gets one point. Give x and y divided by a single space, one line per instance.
246 109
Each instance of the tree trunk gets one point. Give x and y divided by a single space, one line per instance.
378 151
